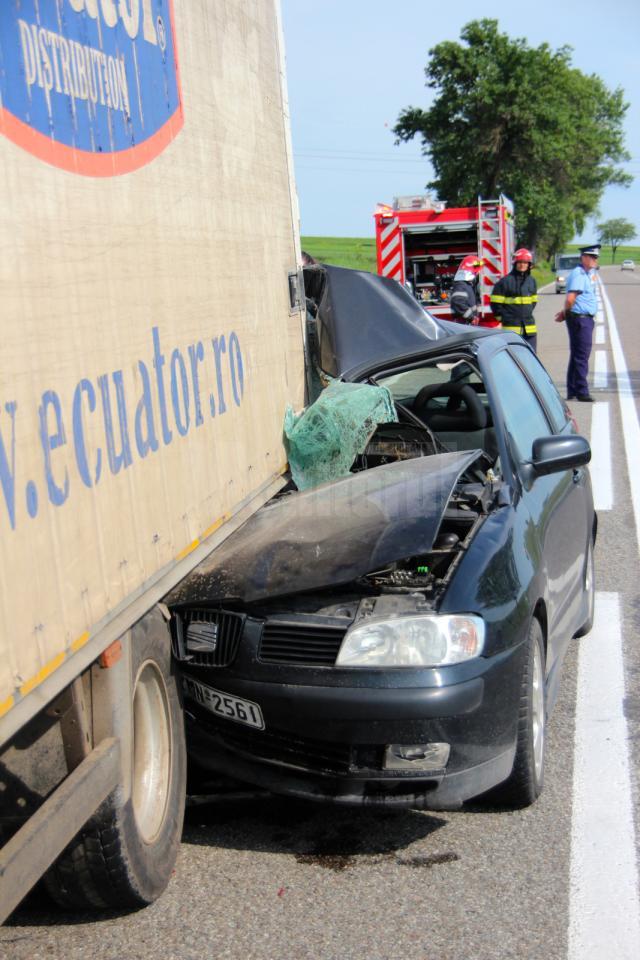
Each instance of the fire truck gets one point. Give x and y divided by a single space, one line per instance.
420 242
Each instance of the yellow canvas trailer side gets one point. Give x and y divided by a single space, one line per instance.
152 334
149 346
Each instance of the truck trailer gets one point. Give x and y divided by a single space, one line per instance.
421 242
152 340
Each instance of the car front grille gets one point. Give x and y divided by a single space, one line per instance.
318 756
211 637
300 642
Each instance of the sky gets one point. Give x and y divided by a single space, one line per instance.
353 65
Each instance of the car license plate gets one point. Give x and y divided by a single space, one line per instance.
224 704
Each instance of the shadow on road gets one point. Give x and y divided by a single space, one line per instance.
313 833
620 388
38 910
324 836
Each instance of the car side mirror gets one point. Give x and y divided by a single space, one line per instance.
555 454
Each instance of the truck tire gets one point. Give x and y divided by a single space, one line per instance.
125 855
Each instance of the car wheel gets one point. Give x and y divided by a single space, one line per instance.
525 783
125 855
589 589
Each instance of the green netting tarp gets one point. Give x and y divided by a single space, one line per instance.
324 440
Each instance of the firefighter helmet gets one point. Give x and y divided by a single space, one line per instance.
473 264
469 269
523 255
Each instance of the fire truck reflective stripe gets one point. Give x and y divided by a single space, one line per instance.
496 298
495 268
388 230
392 268
390 248
528 328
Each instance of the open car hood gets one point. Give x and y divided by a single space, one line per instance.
330 535
361 317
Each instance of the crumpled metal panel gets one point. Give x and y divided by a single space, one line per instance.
332 534
362 318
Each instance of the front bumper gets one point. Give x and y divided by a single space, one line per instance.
328 742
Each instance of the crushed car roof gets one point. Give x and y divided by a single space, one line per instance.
361 317
331 535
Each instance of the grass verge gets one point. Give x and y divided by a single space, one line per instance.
354 252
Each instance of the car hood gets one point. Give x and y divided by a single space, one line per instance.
361 318
330 535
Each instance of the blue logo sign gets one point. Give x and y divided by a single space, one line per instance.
91 86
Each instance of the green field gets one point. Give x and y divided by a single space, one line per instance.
622 253
354 252
360 254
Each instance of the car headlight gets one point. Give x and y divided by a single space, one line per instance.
415 641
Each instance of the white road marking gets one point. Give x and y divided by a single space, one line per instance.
599 317
601 475
630 425
600 372
601 334
604 914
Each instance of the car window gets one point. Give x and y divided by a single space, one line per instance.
544 386
524 418
405 385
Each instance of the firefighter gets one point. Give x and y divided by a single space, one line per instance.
464 298
514 297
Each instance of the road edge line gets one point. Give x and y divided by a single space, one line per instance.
604 913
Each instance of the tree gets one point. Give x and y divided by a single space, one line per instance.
614 232
519 120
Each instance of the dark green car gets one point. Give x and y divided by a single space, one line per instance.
396 635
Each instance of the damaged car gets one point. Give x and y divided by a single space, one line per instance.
390 629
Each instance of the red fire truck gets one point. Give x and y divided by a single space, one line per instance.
421 242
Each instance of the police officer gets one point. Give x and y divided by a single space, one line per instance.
514 297
464 299
578 313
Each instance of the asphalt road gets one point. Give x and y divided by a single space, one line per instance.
275 878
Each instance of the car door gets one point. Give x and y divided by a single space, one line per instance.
556 507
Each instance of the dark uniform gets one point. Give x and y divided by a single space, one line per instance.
513 300
463 300
581 286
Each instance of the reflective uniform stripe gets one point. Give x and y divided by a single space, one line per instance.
528 328
513 300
